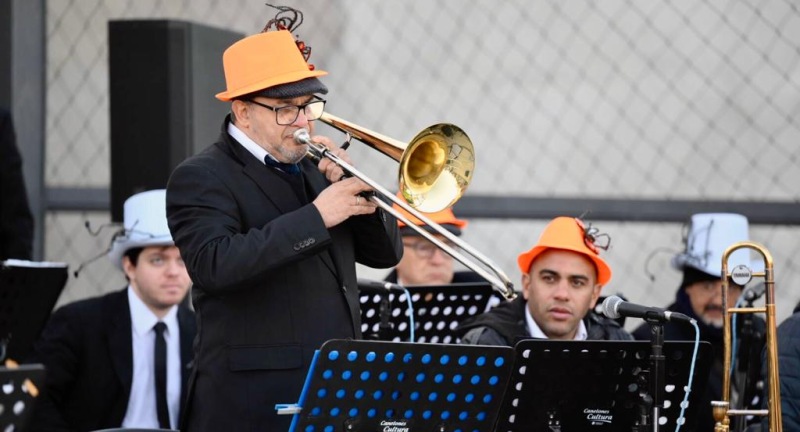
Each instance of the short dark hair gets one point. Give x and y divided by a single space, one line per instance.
692 275
133 254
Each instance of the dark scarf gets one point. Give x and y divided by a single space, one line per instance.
507 319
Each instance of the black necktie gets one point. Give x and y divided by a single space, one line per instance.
293 169
161 376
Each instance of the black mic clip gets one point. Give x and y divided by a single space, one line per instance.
753 293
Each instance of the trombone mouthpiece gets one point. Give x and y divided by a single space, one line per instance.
301 136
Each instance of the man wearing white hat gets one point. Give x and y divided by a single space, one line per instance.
700 293
122 359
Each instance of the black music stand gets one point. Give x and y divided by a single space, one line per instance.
16 397
367 386
28 292
438 309
595 385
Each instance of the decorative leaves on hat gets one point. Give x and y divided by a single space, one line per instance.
289 19
120 234
697 255
593 238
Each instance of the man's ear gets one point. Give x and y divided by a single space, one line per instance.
526 282
241 112
128 268
596 294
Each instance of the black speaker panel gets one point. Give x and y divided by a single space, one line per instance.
163 75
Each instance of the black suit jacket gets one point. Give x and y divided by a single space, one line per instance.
271 283
16 221
87 350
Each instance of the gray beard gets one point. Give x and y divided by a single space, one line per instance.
714 323
299 156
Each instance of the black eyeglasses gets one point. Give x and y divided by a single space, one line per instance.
286 115
425 249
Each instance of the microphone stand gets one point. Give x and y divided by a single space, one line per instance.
382 289
385 310
653 401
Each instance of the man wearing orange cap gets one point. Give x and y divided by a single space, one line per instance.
270 240
562 276
423 262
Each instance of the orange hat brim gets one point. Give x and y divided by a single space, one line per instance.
563 233
526 259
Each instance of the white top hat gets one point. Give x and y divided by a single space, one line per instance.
710 234
145 222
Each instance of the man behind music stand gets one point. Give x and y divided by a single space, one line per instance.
423 263
700 293
562 276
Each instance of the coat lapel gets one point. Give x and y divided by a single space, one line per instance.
188 330
120 340
282 198
266 179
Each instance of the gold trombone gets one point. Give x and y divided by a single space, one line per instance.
435 169
741 275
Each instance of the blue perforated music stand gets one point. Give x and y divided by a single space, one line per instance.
369 386
595 385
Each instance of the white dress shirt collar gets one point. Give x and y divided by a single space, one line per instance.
535 331
249 145
143 319
141 410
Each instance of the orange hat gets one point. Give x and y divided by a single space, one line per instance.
568 234
266 60
445 218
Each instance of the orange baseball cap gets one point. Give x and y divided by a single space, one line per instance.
265 60
445 218
566 233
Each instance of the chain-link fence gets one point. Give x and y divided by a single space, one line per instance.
615 99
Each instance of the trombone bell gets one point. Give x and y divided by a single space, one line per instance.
436 166
435 169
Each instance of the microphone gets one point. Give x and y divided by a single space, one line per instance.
369 286
614 307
